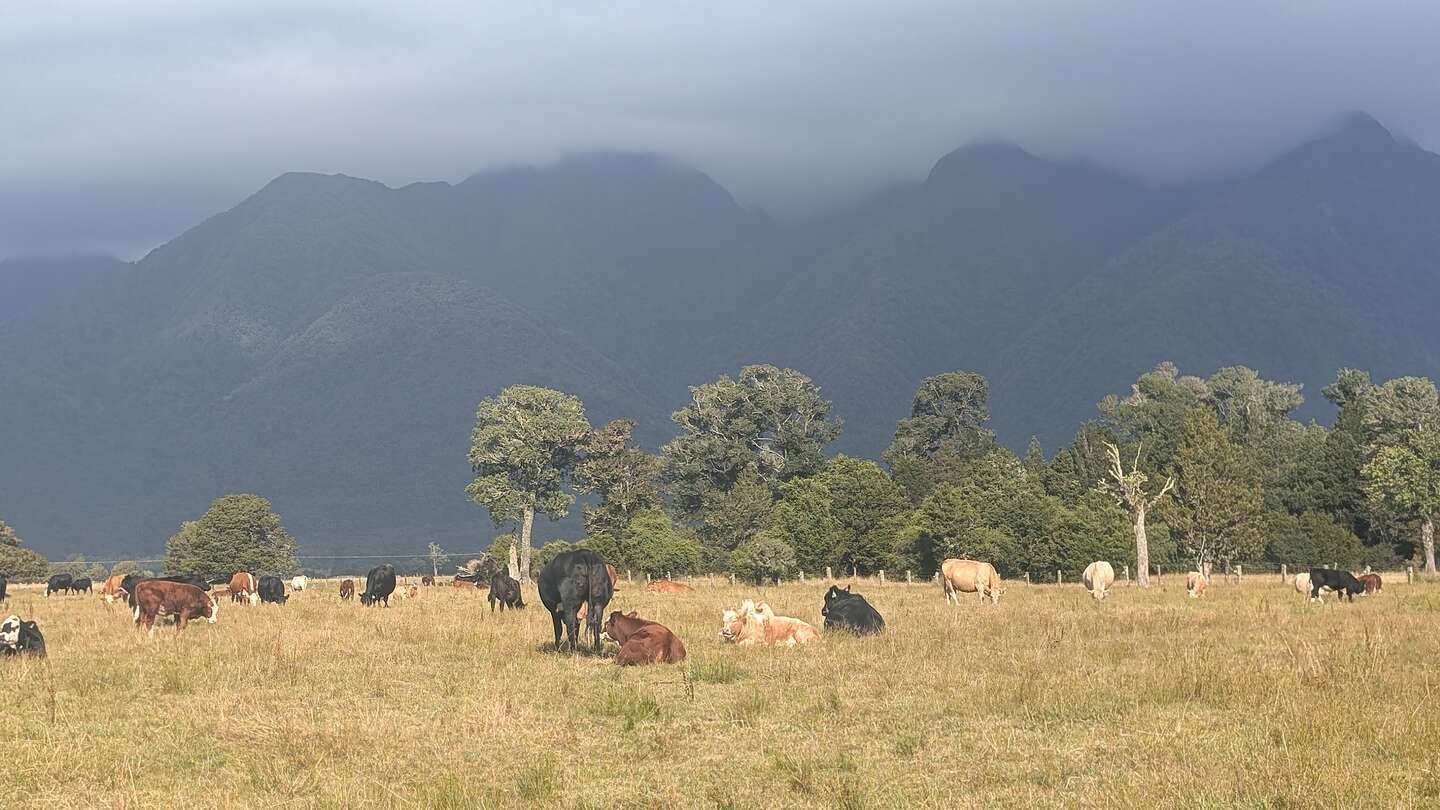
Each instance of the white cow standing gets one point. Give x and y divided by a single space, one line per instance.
298 583
1098 578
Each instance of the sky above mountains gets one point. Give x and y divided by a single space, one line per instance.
125 124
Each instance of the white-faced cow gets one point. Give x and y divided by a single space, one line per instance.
1098 577
155 598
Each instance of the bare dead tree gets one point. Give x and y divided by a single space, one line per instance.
1129 491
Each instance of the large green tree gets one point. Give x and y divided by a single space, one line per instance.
653 544
739 436
1219 502
625 477
524 447
947 417
1402 474
237 533
17 562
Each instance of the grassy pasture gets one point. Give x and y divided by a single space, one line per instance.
1250 697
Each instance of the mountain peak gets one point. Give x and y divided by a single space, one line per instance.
1361 127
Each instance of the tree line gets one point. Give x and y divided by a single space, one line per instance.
1182 470
1179 471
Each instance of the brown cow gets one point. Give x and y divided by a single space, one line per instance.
111 590
969 576
244 588
347 589
614 577
427 580
1372 583
156 597
642 641
667 586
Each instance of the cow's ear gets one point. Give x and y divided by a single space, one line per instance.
631 614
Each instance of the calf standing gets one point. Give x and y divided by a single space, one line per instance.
347 589
505 592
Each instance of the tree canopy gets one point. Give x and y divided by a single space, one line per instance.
237 533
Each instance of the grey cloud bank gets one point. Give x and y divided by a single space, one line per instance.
124 124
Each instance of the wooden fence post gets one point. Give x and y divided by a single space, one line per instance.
1127 573
909 580
1410 574
802 576
828 575
1059 577
882 576
1027 577
1283 575
1239 575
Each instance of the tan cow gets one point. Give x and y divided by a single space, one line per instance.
757 624
969 576
1195 584
111 590
1098 578
244 588
667 586
1302 582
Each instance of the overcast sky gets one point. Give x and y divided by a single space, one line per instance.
122 124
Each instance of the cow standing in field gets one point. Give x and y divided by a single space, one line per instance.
1098 577
155 598
132 580
1342 583
571 579
272 589
299 583
244 588
81 585
60 583
844 610
969 576
379 584
347 589
1302 583
642 641
427 580
113 588
1195 584
1372 583
505 592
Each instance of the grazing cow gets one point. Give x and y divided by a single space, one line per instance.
244 588
299 583
159 597
131 580
60 583
81 585
272 589
1302 583
4 583
113 588
347 589
969 576
642 641
461 582
162 597
667 586
1195 584
1343 583
427 580
573 578
21 638
1098 577
1372 583
379 584
505 592
844 610
408 591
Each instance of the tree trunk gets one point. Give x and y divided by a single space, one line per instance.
527 524
1142 550
1427 538
513 561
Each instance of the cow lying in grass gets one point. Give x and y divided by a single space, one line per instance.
844 610
642 641
21 638
757 624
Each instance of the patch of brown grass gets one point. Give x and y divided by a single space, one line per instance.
1248 697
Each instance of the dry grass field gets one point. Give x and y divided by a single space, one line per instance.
1250 697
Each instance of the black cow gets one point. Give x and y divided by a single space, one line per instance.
80 585
505 591
4 583
1342 582
21 638
271 589
60 583
574 578
844 610
129 582
379 584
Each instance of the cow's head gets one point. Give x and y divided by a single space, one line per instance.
212 612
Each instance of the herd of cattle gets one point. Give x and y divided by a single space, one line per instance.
577 586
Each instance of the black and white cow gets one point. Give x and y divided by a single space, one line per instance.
844 610
272 589
59 583
1343 583
379 584
21 638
